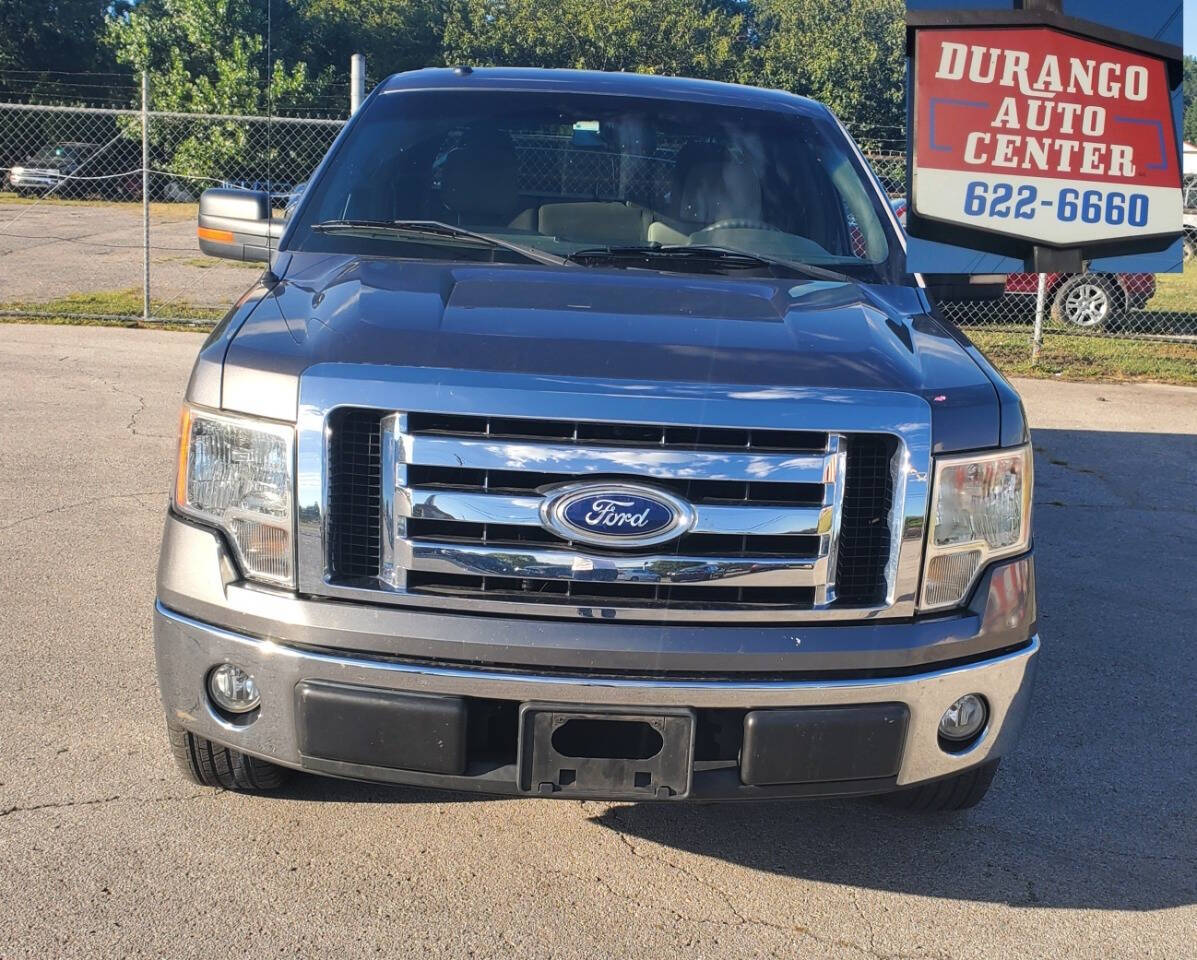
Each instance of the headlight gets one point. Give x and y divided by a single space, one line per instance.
236 473
980 511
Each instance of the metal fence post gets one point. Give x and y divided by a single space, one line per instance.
1040 306
145 196
357 82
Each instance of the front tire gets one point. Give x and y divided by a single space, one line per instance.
1087 302
209 764
952 793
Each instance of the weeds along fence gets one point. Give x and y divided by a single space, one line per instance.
97 222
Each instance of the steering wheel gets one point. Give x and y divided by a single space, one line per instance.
735 223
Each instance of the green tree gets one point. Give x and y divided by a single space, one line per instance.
40 42
683 37
1190 99
209 56
394 35
850 56
55 35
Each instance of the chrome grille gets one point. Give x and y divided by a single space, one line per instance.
461 496
353 476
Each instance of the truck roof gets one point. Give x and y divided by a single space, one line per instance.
595 81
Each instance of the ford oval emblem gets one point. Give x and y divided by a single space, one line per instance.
615 514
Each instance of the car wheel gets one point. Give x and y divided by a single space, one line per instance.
1085 301
1190 247
951 793
211 765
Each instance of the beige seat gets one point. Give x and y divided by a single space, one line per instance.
612 223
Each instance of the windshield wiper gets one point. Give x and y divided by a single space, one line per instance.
726 257
433 230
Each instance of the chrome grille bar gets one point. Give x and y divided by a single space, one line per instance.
718 519
538 564
665 464
835 478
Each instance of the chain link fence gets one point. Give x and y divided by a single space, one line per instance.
98 206
90 232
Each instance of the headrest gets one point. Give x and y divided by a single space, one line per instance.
723 189
479 178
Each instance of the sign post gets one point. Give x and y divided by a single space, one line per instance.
1040 309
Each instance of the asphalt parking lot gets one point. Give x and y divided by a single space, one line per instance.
50 249
1086 846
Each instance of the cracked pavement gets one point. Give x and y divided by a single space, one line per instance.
1085 847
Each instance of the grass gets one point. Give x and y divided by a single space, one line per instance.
157 208
116 308
1175 292
1072 357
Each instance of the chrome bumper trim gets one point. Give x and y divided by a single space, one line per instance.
187 649
582 567
197 576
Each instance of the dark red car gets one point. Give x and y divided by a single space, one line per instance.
1085 299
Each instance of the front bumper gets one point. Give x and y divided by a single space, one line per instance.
35 179
472 675
187 650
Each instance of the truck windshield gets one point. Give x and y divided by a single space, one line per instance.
568 174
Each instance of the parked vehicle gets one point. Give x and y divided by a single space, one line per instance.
1090 300
109 171
46 169
569 446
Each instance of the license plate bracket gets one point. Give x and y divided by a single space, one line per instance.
612 753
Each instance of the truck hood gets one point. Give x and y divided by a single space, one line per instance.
604 323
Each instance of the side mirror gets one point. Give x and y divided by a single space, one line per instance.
964 287
237 224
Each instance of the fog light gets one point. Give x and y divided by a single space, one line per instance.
232 689
964 719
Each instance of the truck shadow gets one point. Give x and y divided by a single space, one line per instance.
1096 807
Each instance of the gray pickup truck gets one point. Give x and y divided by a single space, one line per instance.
587 437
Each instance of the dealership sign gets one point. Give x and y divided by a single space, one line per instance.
1044 136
